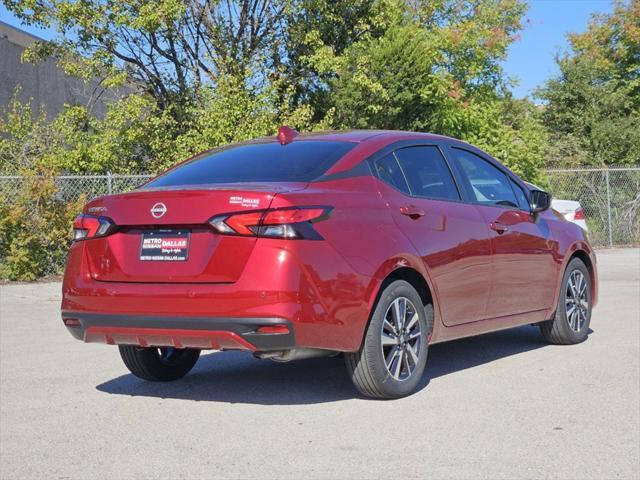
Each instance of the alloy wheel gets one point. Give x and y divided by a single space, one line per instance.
401 337
576 301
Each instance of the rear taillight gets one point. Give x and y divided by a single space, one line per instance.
579 215
293 223
90 226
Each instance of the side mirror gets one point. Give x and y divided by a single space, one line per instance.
540 201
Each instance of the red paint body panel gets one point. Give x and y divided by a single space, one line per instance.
453 242
523 260
326 289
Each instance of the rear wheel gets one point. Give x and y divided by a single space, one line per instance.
393 355
570 324
159 364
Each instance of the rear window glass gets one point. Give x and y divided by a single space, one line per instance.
300 161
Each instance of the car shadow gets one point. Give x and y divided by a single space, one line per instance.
237 377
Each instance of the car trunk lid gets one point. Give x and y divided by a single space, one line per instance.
163 236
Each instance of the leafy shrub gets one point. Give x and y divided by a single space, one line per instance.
35 228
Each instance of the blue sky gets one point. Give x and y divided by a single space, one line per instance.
530 60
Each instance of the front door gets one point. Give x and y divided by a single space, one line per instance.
523 262
451 237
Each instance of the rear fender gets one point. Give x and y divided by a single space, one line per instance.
403 260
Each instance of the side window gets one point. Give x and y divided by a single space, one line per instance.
523 203
489 185
389 172
427 173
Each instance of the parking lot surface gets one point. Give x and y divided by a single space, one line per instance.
503 405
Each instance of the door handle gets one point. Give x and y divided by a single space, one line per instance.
498 227
412 212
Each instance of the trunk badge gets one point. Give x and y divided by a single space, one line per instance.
158 210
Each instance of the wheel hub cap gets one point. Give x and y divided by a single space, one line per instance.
576 301
401 338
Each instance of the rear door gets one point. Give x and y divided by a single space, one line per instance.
450 236
523 262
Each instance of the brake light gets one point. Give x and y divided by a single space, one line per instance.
293 215
293 223
579 215
90 226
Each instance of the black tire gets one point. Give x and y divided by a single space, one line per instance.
564 329
158 364
368 367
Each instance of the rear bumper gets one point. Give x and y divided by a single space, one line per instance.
306 284
181 332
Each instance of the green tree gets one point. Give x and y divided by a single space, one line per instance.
437 67
170 49
592 110
203 73
211 72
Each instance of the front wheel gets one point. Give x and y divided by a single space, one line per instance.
570 324
393 355
158 364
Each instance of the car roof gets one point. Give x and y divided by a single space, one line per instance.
368 142
359 136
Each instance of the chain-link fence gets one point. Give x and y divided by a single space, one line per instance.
610 197
71 187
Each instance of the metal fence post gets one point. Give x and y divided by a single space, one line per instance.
109 189
609 208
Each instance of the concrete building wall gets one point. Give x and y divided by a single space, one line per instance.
43 82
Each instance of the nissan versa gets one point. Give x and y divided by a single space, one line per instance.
369 244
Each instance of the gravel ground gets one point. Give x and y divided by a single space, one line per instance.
503 405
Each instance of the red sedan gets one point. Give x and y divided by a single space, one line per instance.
373 244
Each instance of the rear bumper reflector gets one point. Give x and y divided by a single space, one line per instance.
273 329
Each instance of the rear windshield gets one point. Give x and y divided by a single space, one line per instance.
300 161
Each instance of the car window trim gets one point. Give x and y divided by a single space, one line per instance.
404 175
376 174
512 182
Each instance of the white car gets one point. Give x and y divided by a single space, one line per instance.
571 210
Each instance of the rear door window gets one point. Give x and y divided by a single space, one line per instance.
427 173
298 161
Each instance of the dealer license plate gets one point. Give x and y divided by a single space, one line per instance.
165 245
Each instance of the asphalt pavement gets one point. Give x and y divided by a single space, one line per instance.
502 405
